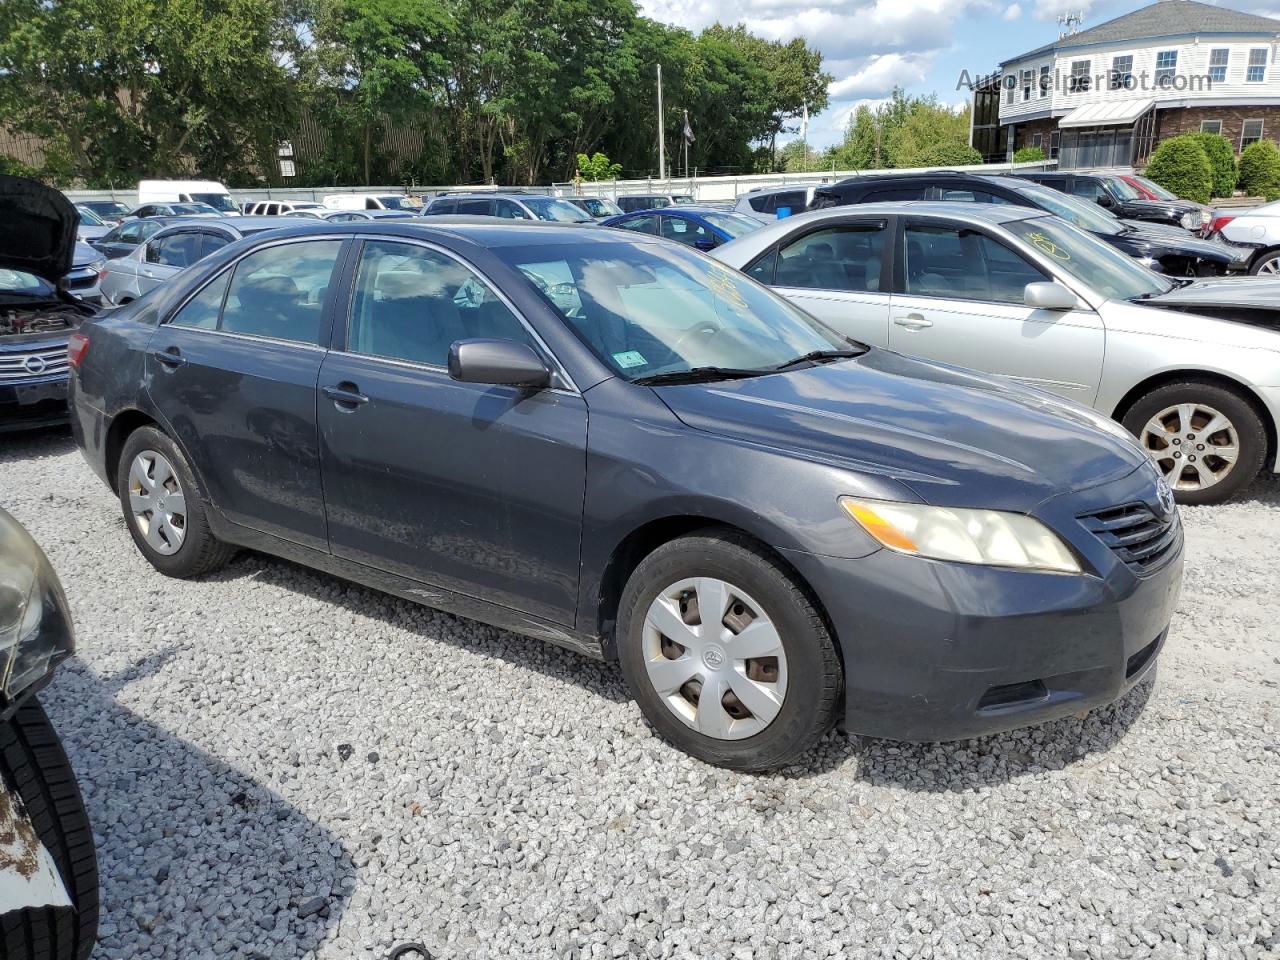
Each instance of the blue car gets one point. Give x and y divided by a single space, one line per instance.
702 227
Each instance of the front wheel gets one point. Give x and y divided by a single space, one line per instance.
725 653
1267 265
1207 440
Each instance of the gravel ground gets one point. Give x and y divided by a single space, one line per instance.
279 764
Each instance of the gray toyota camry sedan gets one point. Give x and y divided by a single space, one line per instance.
620 445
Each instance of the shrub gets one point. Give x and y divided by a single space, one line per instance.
1260 169
1180 165
1028 155
1223 160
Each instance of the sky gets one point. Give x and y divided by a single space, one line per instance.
871 46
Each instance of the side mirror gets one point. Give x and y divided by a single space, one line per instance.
505 362
705 243
1104 200
1049 296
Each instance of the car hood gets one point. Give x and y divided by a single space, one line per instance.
39 233
1251 293
1174 208
955 436
1163 239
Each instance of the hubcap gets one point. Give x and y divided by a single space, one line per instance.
1270 266
156 501
715 658
1194 445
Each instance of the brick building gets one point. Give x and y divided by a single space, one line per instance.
1107 95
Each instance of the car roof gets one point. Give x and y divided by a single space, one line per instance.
996 213
782 188
488 232
241 225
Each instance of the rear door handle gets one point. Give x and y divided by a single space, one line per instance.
345 395
172 357
913 321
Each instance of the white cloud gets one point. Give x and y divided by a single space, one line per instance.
1013 13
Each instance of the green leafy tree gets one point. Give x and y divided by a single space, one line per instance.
862 148
931 135
598 167
1223 160
1180 165
1260 169
1029 155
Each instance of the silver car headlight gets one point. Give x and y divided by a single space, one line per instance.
1189 221
35 624
962 535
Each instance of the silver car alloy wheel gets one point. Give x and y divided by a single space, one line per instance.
1269 268
1194 445
715 658
157 503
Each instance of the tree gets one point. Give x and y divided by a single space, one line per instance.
598 167
931 135
1260 169
1181 166
861 149
1029 155
1223 160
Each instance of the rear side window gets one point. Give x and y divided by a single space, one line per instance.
479 208
510 210
412 304
760 204
202 310
793 200
279 291
686 231
763 268
174 250
443 206
895 193
210 242
643 224
847 257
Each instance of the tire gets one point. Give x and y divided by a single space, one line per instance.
186 550
35 768
808 674
1267 264
1188 480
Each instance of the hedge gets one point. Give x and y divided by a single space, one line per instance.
1260 169
1181 165
1028 155
1222 157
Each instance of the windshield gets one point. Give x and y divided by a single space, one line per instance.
1084 214
648 308
1092 261
598 206
1123 189
219 201
21 283
1152 187
396 203
734 224
108 208
89 218
553 208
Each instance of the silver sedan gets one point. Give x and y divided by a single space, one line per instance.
1018 292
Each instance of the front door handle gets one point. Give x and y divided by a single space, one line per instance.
170 357
913 321
345 395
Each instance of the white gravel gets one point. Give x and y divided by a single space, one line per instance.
279 764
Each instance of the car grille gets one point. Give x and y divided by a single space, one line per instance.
1142 540
79 281
41 361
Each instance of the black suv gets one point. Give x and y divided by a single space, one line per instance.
1170 251
1124 200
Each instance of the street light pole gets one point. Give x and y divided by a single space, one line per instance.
662 146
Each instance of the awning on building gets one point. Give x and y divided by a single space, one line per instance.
1106 114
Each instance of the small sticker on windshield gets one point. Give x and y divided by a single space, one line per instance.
630 358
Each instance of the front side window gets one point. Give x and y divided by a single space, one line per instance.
1121 73
392 203
202 310
1250 132
1079 81
1087 216
1166 68
174 250
279 291
209 242
443 206
411 303
896 193
646 223
687 232
734 224
651 308
1211 126
847 257
962 264
1094 262
1218 60
556 210
1257 71
1123 189
1087 188
509 210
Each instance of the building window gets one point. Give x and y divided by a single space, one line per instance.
1037 140
1079 80
1166 68
1211 126
1009 85
1218 65
1122 73
1257 71
1055 140
1251 132
1028 79
1045 82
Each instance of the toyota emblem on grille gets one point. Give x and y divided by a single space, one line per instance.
1165 495
34 364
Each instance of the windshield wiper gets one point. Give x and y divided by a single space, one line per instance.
814 356
698 375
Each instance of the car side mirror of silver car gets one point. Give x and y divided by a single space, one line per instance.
1049 296
505 362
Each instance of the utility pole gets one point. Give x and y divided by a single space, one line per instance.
662 146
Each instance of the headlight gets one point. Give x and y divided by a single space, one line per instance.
965 536
35 626
1189 221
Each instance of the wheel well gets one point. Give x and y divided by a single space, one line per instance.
1201 376
123 425
644 540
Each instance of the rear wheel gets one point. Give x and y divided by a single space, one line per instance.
1207 440
1267 265
34 769
725 653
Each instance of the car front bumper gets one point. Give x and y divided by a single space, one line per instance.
30 404
945 651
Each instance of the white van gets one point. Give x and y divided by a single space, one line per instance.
372 201
188 191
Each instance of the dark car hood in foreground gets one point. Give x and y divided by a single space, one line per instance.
39 234
956 437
